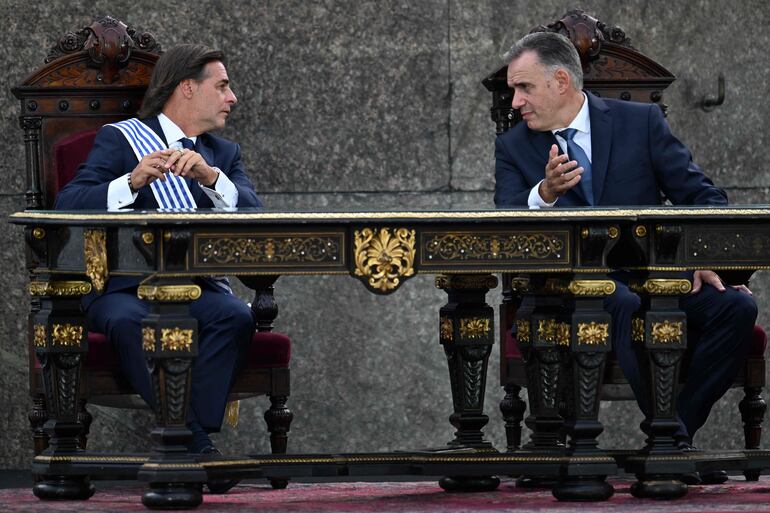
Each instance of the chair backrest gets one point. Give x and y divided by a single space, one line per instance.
611 67
91 77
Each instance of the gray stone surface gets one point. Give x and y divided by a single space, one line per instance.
367 105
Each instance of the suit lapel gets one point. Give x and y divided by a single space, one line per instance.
601 142
207 153
154 124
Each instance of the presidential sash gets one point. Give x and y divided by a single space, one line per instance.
171 194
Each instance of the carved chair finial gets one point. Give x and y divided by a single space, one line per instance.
109 43
586 33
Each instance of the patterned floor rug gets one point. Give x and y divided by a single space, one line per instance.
403 497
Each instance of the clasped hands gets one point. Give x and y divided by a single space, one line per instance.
181 162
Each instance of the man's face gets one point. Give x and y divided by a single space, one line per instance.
535 93
212 97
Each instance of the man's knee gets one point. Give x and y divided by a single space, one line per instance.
623 302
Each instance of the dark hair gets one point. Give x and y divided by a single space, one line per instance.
553 50
179 63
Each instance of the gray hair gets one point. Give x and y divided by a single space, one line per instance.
553 50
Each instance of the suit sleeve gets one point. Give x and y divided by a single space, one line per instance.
511 189
680 179
247 196
88 190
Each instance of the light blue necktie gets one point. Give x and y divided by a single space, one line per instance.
576 153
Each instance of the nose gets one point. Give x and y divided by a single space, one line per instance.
232 99
517 101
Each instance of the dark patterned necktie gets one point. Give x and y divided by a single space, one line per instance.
576 153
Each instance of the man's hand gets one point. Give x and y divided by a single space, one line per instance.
150 168
711 278
561 175
190 164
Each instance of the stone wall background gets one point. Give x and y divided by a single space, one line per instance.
377 104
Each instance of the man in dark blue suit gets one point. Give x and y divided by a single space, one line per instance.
574 149
189 94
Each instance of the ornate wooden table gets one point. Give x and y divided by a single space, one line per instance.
555 253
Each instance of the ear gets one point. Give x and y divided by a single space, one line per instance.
563 80
186 87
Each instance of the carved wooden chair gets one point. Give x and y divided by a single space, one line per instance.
612 68
95 76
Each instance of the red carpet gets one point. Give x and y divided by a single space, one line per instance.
402 497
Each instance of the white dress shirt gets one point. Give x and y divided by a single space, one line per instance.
223 195
581 123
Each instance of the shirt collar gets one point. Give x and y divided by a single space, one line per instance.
582 122
170 129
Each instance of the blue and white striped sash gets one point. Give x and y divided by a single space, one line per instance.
171 194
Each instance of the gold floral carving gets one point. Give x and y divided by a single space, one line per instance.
176 339
441 246
522 330
445 328
148 339
592 288
168 292
640 230
666 332
38 233
637 330
59 288
383 257
67 334
466 281
563 333
148 238
661 287
593 333
38 338
95 249
613 232
477 327
546 330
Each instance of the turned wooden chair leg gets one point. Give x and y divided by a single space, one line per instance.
85 418
513 407
278 418
37 418
752 408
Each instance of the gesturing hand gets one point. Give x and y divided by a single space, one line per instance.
561 175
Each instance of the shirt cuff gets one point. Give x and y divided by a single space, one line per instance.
535 201
224 194
119 194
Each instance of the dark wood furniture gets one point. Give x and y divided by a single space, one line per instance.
566 248
613 69
94 76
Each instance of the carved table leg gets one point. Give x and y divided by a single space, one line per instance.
540 332
60 342
583 475
170 343
660 464
466 333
